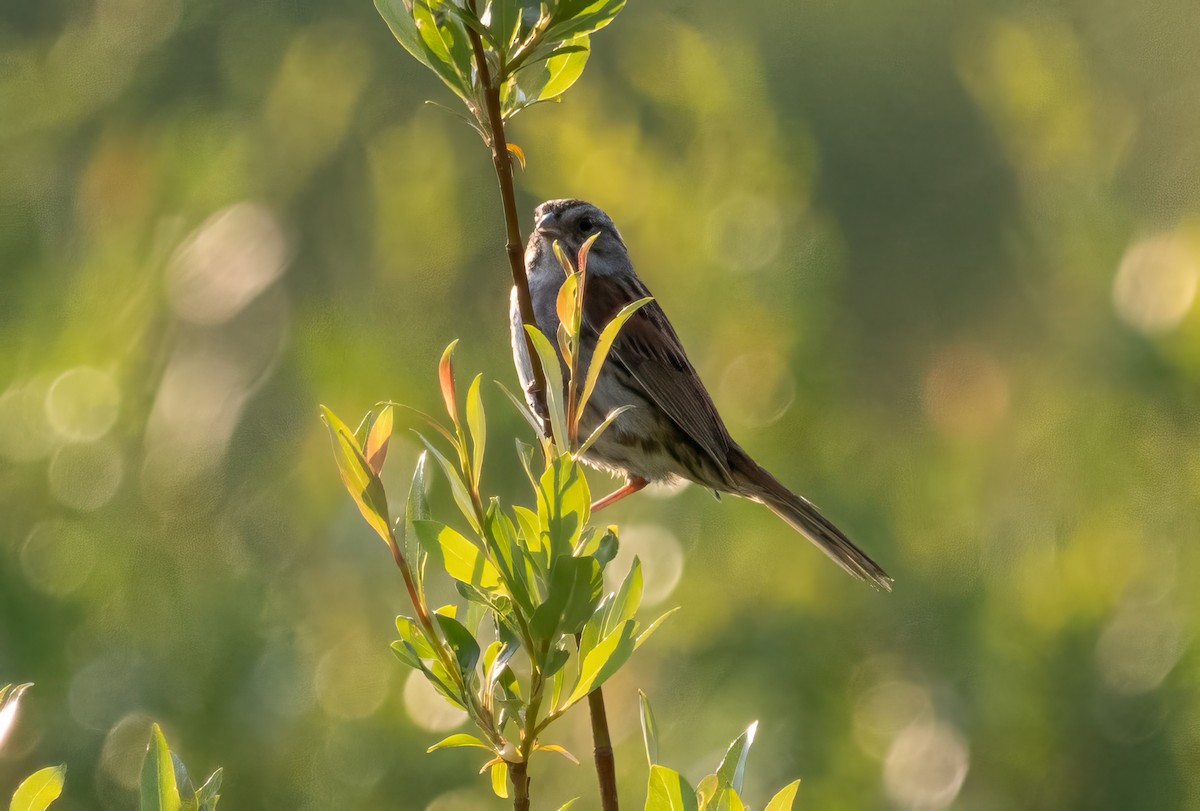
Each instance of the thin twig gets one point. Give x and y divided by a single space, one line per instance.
502 161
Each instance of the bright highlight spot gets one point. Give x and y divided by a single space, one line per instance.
82 404
1155 284
926 766
227 262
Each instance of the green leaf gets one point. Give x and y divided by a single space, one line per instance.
522 409
404 28
461 559
460 640
599 430
784 799
732 770
412 633
159 791
564 66
417 509
649 728
604 344
567 805
564 504
602 661
644 635
625 603
187 792
443 46
552 370
459 740
574 588
575 17
668 791
500 779
706 790
375 447
458 488
208 794
39 789
728 800
406 654
477 425
363 485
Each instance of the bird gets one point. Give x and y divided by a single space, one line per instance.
673 431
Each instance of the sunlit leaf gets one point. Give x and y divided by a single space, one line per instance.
604 344
443 46
446 381
554 384
668 791
652 627
460 739
458 488
732 770
522 408
518 153
626 601
600 429
209 793
728 800
39 789
375 449
575 17
564 504
416 509
602 661
477 424
706 790
567 805
649 728
500 779
553 747
363 485
565 302
413 634
784 799
159 791
10 699
461 559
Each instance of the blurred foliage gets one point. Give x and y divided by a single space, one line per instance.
937 262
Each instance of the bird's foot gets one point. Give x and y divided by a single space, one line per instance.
631 486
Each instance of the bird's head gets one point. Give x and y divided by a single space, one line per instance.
573 222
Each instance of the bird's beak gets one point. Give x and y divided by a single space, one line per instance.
548 224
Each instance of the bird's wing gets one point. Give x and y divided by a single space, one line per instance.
648 348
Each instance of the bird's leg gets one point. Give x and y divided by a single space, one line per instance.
632 485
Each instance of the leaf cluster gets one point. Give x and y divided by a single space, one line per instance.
533 51
721 790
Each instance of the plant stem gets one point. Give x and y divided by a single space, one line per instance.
518 772
602 751
502 161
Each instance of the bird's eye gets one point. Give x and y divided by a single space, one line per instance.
586 224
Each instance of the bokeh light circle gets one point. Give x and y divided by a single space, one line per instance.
82 404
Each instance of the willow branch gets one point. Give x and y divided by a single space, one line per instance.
502 160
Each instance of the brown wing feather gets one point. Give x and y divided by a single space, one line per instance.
651 352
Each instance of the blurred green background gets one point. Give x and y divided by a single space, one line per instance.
937 262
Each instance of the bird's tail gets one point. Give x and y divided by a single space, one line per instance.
756 483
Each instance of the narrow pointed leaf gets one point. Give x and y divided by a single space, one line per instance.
500 780
458 488
732 770
477 425
652 627
459 740
375 450
360 481
600 429
553 747
552 370
208 794
446 381
604 344
601 662
159 791
649 728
